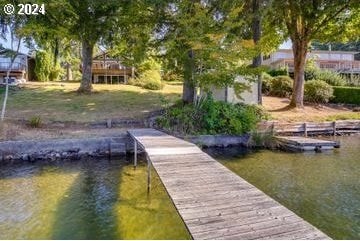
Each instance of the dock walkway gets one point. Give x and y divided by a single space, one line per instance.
214 202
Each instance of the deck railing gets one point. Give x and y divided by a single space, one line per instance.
4 66
341 66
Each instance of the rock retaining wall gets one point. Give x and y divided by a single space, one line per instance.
55 149
31 150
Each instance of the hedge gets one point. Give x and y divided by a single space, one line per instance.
346 95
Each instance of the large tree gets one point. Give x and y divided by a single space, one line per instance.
209 43
306 20
88 22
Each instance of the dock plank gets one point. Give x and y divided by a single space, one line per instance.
299 143
214 202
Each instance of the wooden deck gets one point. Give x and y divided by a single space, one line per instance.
298 143
214 202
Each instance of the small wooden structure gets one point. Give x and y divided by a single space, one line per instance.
298 143
214 202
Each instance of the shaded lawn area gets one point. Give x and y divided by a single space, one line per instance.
276 107
59 101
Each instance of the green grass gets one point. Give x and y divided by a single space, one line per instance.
61 102
344 116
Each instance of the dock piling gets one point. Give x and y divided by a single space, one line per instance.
135 153
148 174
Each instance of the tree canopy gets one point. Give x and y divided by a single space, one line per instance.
308 20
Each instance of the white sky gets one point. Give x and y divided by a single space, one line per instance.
7 44
25 50
286 45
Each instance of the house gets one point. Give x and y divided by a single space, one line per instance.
227 94
343 62
107 70
20 71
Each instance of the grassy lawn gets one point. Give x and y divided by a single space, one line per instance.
59 101
311 112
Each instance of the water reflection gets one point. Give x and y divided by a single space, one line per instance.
88 199
323 188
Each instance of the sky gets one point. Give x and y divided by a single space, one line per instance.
7 44
286 45
25 50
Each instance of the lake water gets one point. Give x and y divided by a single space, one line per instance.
91 199
323 188
101 199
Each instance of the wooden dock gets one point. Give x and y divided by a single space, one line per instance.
214 202
298 143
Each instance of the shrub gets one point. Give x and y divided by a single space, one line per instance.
43 65
347 95
207 116
353 80
55 73
317 91
281 86
277 72
266 83
171 76
35 122
150 79
330 77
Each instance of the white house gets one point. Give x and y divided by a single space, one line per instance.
344 62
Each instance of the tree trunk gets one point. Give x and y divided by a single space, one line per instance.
189 82
256 27
87 50
299 50
68 72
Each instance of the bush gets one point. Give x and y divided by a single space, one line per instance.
207 116
330 77
35 122
277 72
317 91
281 86
55 73
346 95
266 83
43 65
150 79
171 76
